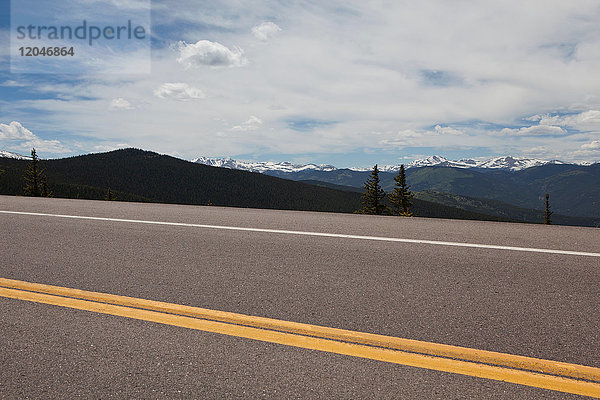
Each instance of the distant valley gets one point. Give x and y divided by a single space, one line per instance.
518 183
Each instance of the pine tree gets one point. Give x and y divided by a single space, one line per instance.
33 177
44 186
109 195
373 195
401 195
547 212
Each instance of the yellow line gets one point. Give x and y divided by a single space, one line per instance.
434 349
534 379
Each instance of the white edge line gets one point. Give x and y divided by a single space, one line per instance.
333 235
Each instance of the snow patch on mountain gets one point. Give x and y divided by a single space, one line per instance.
515 163
506 163
261 166
8 154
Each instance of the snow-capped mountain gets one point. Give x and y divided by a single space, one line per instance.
432 161
8 154
261 166
439 161
515 163
507 163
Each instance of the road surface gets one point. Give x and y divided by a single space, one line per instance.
505 296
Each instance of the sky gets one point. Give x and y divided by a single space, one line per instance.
347 83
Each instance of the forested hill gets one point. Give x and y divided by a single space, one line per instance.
134 174
137 175
574 189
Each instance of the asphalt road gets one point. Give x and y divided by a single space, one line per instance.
531 304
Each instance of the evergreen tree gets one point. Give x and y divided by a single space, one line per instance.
373 195
547 212
401 195
44 186
109 195
33 177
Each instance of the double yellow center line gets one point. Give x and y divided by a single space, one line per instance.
553 375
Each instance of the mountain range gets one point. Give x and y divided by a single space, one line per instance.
504 163
261 166
144 176
501 194
512 181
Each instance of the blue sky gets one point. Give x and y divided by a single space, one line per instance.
348 83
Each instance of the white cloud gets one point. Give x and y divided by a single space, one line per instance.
120 104
207 53
178 91
411 137
535 130
534 118
15 132
593 145
11 83
251 124
587 120
447 130
588 152
266 30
